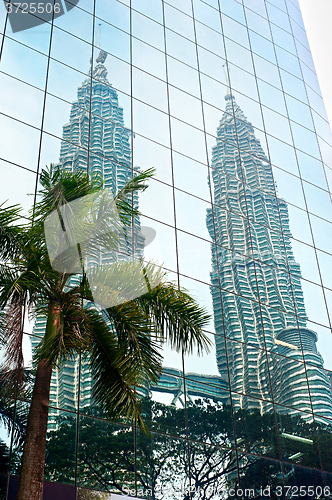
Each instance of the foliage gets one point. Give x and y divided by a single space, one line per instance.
106 454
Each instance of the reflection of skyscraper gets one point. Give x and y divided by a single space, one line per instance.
95 136
256 288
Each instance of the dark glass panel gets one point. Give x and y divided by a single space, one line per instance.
105 455
297 437
61 447
256 431
162 466
258 476
296 476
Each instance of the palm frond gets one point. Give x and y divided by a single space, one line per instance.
12 338
136 336
179 320
123 200
10 231
114 374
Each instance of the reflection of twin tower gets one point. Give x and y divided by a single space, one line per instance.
262 343
246 219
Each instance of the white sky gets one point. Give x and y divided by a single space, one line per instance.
317 18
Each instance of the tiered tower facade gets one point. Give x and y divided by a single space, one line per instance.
255 281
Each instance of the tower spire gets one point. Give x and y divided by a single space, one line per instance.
226 72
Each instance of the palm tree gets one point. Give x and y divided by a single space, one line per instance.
122 344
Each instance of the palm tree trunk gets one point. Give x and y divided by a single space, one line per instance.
32 469
31 481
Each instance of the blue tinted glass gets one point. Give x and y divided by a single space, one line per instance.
278 17
300 34
283 155
148 59
233 9
293 86
179 22
322 127
299 112
262 47
211 65
258 23
279 3
267 71
311 170
207 15
277 125
147 30
181 48
235 31
288 62
271 97
305 140
256 5
209 39
182 76
243 82
149 9
238 55
284 39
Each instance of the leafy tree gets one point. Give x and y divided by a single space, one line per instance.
106 458
122 345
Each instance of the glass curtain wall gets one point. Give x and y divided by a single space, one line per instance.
222 99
